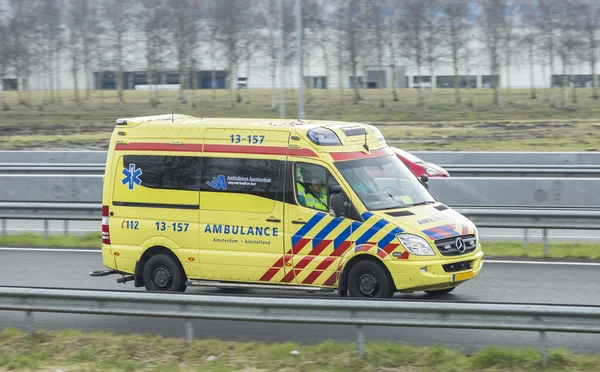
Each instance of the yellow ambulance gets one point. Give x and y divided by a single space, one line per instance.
283 204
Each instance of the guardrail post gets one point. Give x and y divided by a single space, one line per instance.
29 326
545 241
360 338
525 237
189 332
544 348
3 227
46 233
66 227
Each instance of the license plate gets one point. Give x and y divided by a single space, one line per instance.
462 276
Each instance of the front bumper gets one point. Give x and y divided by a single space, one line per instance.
413 276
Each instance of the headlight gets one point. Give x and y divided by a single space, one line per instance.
415 245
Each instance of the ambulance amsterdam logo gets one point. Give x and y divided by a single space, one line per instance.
460 245
218 183
132 176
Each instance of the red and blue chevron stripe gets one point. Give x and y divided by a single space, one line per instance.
444 231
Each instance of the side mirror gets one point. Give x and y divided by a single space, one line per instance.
424 180
337 201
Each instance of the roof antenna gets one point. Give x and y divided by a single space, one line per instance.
365 145
171 115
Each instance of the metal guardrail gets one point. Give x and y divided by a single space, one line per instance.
513 218
359 313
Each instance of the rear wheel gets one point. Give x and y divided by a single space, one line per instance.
369 279
440 292
162 273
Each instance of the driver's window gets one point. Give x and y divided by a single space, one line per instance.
312 183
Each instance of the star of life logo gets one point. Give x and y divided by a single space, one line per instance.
132 176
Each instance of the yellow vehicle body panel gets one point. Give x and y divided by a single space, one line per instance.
218 194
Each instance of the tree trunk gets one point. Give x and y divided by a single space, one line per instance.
531 70
213 74
230 82
551 62
50 74
3 105
593 63
433 82
149 68
86 67
355 82
394 82
57 75
564 81
574 96
544 75
75 70
419 82
456 72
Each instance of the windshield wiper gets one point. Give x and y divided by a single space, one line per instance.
423 203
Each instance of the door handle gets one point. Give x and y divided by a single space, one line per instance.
299 222
273 220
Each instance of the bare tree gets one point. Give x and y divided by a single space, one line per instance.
375 21
323 40
154 26
185 27
456 14
569 41
91 28
119 15
50 17
22 40
5 55
354 37
413 34
393 39
547 24
433 37
75 23
590 9
511 11
530 37
231 22
492 22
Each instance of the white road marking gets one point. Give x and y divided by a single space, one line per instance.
540 236
562 263
28 249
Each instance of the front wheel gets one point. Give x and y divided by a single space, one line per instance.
369 279
161 273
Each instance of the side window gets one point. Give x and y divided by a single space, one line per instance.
164 172
260 177
312 183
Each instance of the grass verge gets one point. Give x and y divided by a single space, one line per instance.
38 120
491 249
75 350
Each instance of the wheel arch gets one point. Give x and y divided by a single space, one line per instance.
138 278
343 281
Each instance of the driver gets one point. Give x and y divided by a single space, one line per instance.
316 194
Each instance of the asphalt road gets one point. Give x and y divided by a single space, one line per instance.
487 234
507 282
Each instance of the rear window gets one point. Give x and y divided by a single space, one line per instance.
166 172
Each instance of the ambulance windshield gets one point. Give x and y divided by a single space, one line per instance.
384 183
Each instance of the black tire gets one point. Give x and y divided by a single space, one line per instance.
162 273
440 292
369 279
